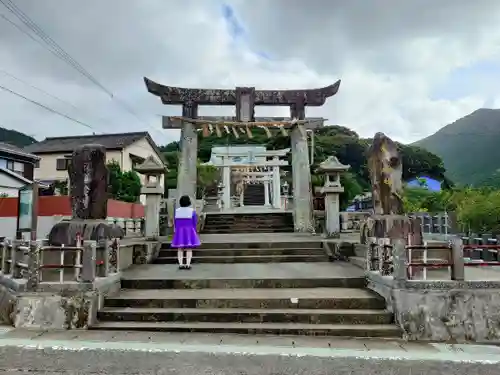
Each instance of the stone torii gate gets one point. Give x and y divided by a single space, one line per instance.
245 99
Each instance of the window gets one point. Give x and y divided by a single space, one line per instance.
18 167
61 164
37 164
3 163
10 165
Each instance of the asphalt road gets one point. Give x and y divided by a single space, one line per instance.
33 361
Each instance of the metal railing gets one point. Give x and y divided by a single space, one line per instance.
39 263
131 227
411 262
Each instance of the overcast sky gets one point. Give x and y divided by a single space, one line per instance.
408 67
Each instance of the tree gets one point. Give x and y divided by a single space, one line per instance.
479 211
207 176
123 186
340 141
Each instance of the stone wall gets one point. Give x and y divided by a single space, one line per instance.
453 311
7 305
54 311
449 311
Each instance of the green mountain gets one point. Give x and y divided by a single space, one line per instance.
469 147
16 138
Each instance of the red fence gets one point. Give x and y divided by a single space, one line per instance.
61 206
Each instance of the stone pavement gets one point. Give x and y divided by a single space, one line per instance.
104 352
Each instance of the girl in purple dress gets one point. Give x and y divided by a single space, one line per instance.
185 236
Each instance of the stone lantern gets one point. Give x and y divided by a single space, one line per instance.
153 170
332 188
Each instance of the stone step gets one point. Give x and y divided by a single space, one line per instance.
246 230
348 330
223 315
284 298
247 225
358 261
257 283
261 245
247 259
360 250
253 224
247 252
248 215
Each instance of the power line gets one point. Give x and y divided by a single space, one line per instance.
59 52
45 107
45 92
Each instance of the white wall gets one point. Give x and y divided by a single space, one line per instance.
8 192
47 168
143 149
9 185
45 223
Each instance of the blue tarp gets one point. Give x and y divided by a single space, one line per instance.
432 185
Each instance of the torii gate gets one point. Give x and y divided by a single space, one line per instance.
245 99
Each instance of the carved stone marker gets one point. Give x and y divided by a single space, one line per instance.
88 178
386 175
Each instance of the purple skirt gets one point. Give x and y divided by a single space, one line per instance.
185 235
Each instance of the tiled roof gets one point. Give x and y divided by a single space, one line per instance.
68 144
7 147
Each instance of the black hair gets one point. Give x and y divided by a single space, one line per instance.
184 201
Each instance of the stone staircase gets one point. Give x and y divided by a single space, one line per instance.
250 253
254 195
272 222
293 293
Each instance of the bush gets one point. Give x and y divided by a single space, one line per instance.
123 186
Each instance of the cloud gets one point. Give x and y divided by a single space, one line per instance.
395 59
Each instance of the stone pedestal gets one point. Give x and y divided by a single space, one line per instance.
393 227
344 223
301 175
88 177
332 209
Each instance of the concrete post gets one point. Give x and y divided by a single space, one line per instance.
187 172
89 257
276 186
457 257
399 259
266 193
226 181
301 175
